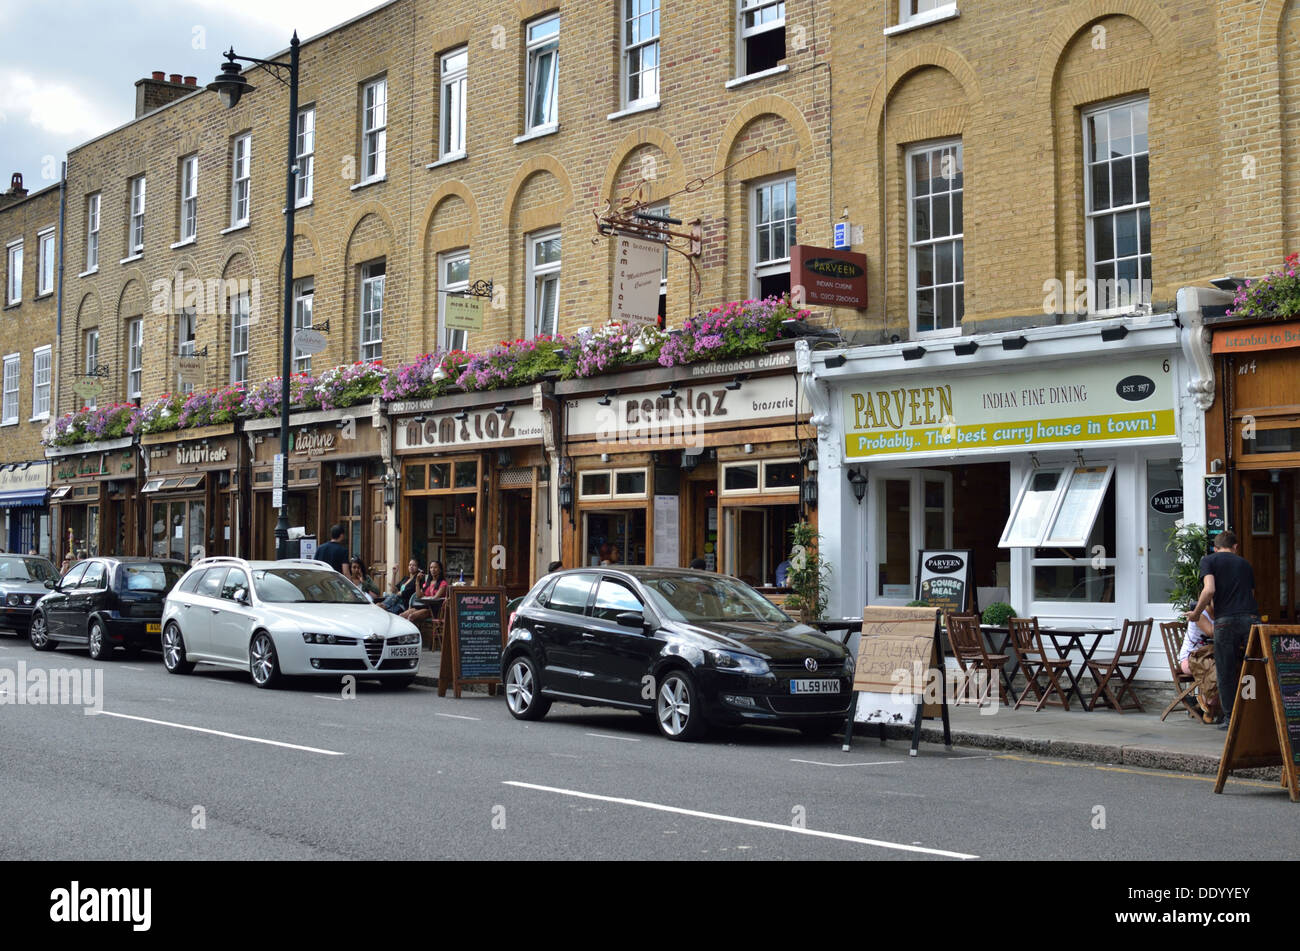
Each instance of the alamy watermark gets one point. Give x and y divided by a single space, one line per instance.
1086 295
38 686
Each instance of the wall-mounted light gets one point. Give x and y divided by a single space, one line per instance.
669 393
691 459
749 448
500 409
736 383
607 398
914 353
390 491
837 361
503 458
604 457
566 495
1114 333
858 482
809 491
462 415
420 419
966 348
1014 343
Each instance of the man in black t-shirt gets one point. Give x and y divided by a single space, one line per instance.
332 552
1229 581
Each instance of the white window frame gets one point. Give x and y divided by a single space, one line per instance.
1013 535
451 339
771 266
928 11
374 129
186 342
14 273
13 372
134 357
539 276
92 232
304 298
635 13
877 549
761 487
45 255
41 387
90 344
241 179
746 9
189 223
240 322
537 48
372 317
613 492
955 239
135 231
452 86
305 155
1126 301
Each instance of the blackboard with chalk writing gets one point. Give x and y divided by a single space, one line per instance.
474 639
945 580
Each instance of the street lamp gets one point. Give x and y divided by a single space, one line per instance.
230 85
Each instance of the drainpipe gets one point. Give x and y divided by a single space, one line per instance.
55 378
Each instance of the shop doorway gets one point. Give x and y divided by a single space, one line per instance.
178 529
758 542
442 529
914 510
1266 528
623 531
514 535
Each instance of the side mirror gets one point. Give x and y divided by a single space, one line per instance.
241 597
51 584
630 619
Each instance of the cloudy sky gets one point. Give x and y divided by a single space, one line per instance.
68 67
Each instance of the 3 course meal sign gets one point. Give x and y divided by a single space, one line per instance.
943 580
1265 726
915 416
472 644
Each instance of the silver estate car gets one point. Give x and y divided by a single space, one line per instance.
284 618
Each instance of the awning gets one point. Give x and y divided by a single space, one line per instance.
1057 506
162 484
60 492
16 498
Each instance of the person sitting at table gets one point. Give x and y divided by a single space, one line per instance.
402 591
432 593
1197 660
361 578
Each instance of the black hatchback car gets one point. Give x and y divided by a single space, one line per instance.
688 648
103 603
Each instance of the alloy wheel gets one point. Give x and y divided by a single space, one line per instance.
39 634
100 649
171 647
519 688
262 663
674 707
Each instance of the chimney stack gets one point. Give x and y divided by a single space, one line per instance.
160 89
16 192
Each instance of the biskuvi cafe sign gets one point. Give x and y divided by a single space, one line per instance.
197 455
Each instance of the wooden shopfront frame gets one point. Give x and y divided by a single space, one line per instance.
98 487
191 475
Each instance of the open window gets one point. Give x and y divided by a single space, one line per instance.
1057 507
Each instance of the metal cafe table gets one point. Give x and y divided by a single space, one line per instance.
1065 638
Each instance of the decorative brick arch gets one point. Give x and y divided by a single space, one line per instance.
538 163
1078 18
630 143
240 250
931 54
369 208
90 299
446 190
1271 13
771 104
133 276
308 232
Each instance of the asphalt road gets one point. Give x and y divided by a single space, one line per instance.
209 767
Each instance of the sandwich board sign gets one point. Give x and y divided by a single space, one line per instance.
943 580
899 665
474 640
1265 726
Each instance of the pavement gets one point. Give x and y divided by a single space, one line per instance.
1179 744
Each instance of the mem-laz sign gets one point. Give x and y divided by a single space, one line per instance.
519 423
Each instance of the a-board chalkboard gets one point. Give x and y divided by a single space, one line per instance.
945 580
473 641
1265 725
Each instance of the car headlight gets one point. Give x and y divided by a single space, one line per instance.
735 660
14 599
405 639
27 599
311 637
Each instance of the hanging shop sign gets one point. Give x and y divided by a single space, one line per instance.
1254 339
828 276
1216 505
508 424
1094 403
638 268
464 313
191 369
676 414
310 341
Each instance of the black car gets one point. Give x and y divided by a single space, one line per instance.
105 603
688 648
22 584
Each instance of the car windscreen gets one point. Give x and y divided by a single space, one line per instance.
697 598
305 586
159 578
26 569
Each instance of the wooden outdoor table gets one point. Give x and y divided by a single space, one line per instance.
1073 639
994 632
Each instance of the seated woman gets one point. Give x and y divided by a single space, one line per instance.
433 591
400 598
1197 660
361 578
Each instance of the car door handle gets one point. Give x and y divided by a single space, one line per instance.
215 610
187 606
588 634
539 628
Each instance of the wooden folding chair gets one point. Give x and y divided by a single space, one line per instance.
1122 667
1173 633
1027 642
968 646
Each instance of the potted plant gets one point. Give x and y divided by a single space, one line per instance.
807 575
1188 543
998 613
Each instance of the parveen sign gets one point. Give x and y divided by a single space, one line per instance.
828 276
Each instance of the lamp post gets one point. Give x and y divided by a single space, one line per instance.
231 86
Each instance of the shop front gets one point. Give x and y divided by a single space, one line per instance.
24 497
191 493
665 465
474 476
1057 461
94 490
1254 431
334 475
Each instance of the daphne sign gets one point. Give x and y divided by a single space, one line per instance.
1121 400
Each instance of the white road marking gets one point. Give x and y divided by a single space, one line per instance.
321 696
878 762
456 716
129 667
606 736
199 729
568 755
776 826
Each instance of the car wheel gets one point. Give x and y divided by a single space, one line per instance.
101 648
819 729
173 645
262 662
678 710
524 690
39 635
